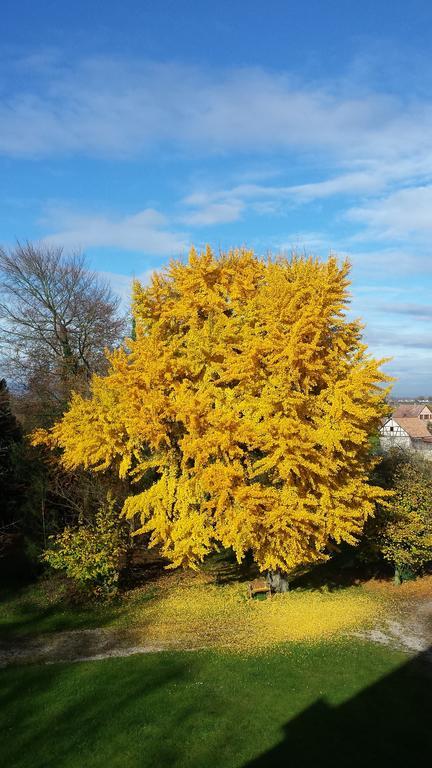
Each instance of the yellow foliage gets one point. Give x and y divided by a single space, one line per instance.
242 410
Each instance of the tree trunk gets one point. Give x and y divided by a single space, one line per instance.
278 581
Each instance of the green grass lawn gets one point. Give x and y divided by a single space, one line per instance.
310 705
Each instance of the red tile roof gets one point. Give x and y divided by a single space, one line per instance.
415 428
409 410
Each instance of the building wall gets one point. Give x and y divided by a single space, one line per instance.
393 436
425 414
388 442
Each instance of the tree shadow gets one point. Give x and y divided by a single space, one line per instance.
146 566
143 567
26 613
386 724
225 568
340 572
94 706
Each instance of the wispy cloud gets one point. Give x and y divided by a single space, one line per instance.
394 340
265 199
214 213
388 261
404 213
143 231
416 311
311 242
116 107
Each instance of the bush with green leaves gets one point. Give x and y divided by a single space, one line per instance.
91 554
401 532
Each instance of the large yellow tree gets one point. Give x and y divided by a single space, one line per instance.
242 410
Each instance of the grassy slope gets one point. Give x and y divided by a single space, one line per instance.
315 704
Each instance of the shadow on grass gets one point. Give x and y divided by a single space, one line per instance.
29 607
146 566
86 705
340 572
387 724
45 606
215 711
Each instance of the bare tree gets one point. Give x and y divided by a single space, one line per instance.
56 319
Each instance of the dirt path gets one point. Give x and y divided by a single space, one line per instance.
408 628
78 645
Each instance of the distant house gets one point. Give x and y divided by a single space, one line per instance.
413 411
407 428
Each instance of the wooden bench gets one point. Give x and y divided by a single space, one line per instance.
259 587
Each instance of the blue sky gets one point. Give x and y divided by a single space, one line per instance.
134 129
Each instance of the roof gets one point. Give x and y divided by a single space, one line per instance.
409 410
415 428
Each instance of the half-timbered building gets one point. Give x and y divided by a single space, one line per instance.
410 433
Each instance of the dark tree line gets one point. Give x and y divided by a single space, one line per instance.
11 439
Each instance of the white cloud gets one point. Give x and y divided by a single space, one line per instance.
393 341
403 213
143 231
214 213
115 106
413 374
227 204
388 262
304 241
368 181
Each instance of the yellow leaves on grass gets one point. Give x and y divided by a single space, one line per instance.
241 410
195 613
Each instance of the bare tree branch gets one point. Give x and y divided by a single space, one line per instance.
57 318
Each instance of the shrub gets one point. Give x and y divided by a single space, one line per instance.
401 532
91 553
